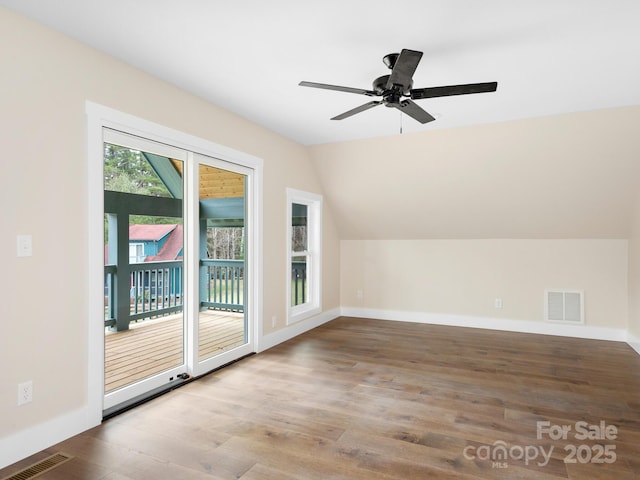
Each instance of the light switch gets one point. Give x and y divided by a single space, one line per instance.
25 245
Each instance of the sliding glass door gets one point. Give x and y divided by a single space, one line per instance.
222 308
175 266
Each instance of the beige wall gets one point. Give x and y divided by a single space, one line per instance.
566 176
634 275
532 204
46 79
464 277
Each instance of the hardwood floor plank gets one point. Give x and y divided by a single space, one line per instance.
365 399
263 472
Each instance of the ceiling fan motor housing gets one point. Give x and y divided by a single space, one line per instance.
380 84
380 87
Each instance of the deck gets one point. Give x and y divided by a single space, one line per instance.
153 346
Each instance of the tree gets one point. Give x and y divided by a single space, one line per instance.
225 243
128 171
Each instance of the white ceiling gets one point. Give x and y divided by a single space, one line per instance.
548 56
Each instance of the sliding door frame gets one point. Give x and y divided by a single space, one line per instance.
197 366
140 388
99 117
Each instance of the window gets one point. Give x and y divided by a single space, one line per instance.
304 240
136 253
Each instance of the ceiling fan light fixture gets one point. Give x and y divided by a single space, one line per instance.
390 60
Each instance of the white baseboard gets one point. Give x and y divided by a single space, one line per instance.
24 443
634 342
272 339
522 326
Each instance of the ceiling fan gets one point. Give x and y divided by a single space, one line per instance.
398 85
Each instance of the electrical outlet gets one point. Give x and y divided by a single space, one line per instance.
25 393
359 295
498 303
273 321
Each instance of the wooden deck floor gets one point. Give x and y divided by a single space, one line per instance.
154 346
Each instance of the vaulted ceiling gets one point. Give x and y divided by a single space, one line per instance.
553 153
548 56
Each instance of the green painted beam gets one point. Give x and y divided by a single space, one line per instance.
133 204
167 172
222 208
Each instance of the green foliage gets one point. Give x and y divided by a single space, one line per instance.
126 170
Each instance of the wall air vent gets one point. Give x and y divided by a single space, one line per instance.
564 306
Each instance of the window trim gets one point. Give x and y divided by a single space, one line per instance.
313 305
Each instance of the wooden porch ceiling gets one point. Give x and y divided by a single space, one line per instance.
216 183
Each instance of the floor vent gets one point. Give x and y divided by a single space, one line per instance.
40 467
564 306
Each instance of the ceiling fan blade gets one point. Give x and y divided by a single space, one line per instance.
403 70
413 110
338 88
432 92
359 109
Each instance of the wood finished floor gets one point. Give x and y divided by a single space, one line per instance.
367 399
151 347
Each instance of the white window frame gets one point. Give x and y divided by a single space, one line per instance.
313 305
135 258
